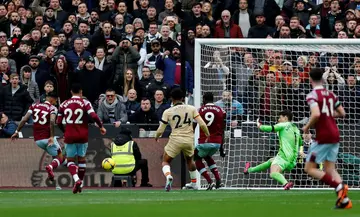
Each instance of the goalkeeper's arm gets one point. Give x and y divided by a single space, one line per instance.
272 128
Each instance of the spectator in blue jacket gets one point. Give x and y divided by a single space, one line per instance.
7 127
170 64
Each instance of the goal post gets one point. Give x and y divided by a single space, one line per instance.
264 77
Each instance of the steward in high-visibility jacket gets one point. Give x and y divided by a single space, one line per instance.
127 156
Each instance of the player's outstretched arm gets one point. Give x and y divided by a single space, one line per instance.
21 125
270 128
160 129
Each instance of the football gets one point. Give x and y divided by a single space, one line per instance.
108 164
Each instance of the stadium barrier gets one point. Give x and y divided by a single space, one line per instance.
22 163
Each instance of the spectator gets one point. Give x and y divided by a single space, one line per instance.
137 44
45 67
32 87
169 10
61 73
260 30
48 87
151 58
112 109
73 56
4 52
49 18
333 80
15 99
243 17
350 97
158 84
194 17
4 71
107 38
103 64
119 148
160 104
234 109
227 27
145 80
91 79
145 115
7 126
132 105
171 67
124 57
59 13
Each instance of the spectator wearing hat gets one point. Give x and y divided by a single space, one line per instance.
268 8
303 9
227 28
32 87
260 30
59 13
49 18
92 80
170 64
126 152
15 99
7 127
151 58
125 56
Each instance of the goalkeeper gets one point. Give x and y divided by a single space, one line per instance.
290 140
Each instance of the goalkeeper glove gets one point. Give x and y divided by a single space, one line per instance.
258 123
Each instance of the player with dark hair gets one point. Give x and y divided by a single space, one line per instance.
180 117
73 113
289 140
215 119
325 107
44 117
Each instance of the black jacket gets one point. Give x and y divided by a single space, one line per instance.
141 117
123 137
15 106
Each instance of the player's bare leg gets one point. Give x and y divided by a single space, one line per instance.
276 174
327 177
167 171
212 166
82 170
73 169
57 161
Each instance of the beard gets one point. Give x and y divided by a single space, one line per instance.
94 20
15 22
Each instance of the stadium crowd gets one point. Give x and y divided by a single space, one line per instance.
126 54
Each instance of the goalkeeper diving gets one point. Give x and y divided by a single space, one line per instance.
290 142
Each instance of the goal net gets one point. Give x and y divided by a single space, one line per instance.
258 78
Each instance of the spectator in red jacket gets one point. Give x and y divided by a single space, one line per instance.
227 28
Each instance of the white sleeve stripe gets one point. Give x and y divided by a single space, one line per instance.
90 111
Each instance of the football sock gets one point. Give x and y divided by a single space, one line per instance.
193 176
261 167
56 162
212 166
202 170
327 179
73 169
279 177
166 170
82 169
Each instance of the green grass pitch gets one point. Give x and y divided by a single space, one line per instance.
182 203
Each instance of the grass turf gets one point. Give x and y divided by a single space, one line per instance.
148 203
